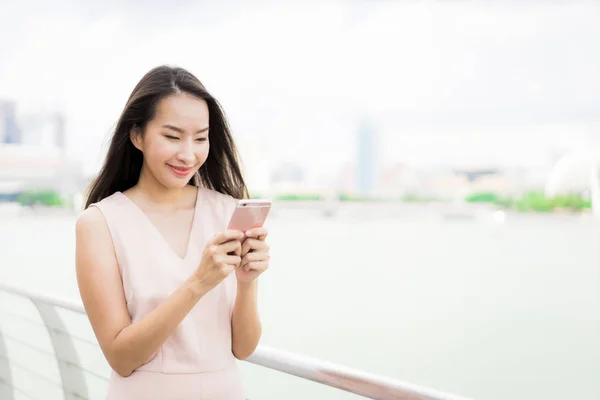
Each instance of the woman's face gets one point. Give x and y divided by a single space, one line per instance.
175 143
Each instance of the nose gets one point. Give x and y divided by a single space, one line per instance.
186 153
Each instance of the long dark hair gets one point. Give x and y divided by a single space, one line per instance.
123 162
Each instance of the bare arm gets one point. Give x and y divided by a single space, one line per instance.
246 328
128 345
245 322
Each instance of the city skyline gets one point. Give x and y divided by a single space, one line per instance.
33 156
469 85
363 154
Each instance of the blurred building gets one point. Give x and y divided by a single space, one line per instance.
26 162
392 181
457 184
289 178
443 184
44 129
25 167
345 182
33 156
60 138
397 181
287 172
367 158
9 128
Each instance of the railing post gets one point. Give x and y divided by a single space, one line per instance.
73 381
6 389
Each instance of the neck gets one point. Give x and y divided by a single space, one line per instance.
153 191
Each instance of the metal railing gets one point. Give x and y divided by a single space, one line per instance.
73 379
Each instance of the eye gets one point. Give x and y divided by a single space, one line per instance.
202 139
171 137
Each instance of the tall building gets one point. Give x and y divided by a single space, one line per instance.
60 137
9 129
44 129
368 158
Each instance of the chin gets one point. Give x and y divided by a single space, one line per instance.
171 183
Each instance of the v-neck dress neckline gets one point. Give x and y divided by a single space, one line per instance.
157 232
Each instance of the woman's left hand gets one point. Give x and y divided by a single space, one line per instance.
255 255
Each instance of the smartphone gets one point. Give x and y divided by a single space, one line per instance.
249 213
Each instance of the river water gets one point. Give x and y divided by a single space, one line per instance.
492 309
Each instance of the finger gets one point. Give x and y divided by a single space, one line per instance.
227 236
233 260
234 246
253 244
260 266
260 233
255 256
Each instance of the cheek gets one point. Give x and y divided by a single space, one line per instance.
159 151
202 153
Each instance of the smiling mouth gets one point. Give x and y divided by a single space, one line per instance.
181 171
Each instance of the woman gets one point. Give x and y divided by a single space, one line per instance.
170 293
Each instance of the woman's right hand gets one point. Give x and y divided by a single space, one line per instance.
221 257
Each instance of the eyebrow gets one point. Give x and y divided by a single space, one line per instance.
176 129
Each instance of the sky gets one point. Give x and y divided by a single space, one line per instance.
464 83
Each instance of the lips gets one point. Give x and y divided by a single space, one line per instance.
180 171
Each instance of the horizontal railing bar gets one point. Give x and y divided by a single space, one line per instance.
67 304
52 355
29 345
16 389
78 338
57 384
41 325
29 370
21 317
330 374
344 378
76 395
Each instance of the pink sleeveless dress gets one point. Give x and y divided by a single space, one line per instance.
196 362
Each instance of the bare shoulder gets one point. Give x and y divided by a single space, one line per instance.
93 240
90 217
91 221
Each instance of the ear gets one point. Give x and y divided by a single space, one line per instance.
135 135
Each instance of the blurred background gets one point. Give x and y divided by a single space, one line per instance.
433 165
